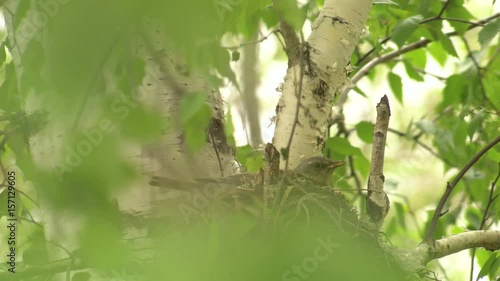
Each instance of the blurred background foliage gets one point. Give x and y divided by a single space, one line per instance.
65 77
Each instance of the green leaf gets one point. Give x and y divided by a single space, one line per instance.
417 58
3 54
364 130
222 59
494 268
459 12
396 86
404 29
251 159
473 217
455 85
427 126
269 17
229 129
460 134
292 14
475 123
242 153
129 75
412 73
81 276
195 116
447 44
21 12
342 146
254 161
488 32
438 53
400 213
235 56
141 124
491 83
485 269
10 98
493 155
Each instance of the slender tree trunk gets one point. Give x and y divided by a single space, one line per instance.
162 89
325 59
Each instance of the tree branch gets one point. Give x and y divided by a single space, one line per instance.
451 186
410 47
491 199
412 260
377 202
489 239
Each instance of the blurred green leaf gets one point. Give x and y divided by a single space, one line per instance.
447 44
486 268
459 12
342 146
488 32
491 83
195 117
235 56
453 90
404 29
251 159
438 53
364 130
141 125
291 13
254 162
396 86
418 58
412 73
21 12
10 98
81 276
222 59
475 123
269 17
229 129
400 214
473 217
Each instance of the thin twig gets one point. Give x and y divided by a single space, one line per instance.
216 152
450 186
491 198
423 145
251 42
410 47
298 93
438 16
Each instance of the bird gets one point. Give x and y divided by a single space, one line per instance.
318 170
270 186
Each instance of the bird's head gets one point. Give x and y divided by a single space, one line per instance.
318 169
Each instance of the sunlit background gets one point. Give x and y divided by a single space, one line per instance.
413 174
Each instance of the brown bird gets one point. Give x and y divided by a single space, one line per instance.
317 170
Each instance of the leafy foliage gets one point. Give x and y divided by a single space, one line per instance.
81 71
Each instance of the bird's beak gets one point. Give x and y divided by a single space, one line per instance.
337 164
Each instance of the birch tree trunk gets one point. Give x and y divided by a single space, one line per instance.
326 54
162 90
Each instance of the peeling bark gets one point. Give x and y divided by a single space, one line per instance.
377 202
324 57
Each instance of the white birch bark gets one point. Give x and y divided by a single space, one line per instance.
168 157
334 35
